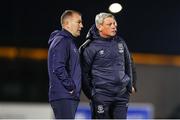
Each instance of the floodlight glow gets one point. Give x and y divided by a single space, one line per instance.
115 8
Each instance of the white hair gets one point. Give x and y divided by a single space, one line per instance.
99 19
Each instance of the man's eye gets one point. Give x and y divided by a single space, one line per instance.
79 22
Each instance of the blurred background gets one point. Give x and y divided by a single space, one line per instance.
151 29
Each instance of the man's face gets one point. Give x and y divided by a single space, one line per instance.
108 28
75 24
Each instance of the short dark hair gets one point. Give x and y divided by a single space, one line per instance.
68 13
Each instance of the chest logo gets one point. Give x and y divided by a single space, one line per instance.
101 52
120 47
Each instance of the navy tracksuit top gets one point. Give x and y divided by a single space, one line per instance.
63 66
106 65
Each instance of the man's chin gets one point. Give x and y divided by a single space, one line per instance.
112 35
76 35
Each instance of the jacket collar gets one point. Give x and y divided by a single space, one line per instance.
67 33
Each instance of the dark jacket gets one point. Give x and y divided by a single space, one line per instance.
63 66
106 65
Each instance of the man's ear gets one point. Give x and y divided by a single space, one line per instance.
66 24
99 27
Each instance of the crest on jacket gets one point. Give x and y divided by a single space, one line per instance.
120 47
100 109
101 52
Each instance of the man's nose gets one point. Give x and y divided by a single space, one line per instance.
113 26
81 25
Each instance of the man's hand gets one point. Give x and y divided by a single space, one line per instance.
133 90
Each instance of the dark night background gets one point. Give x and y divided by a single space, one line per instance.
148 26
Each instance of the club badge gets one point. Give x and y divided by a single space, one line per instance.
100 109
101 52
120 47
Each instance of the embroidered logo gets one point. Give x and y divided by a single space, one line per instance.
101 52
120 47
100 109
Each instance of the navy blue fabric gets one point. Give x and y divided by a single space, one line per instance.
107 75
106 65
63 66
64 108
104 107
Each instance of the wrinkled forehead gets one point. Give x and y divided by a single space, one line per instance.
109 20
75 16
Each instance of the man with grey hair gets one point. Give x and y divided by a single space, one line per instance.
107 70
